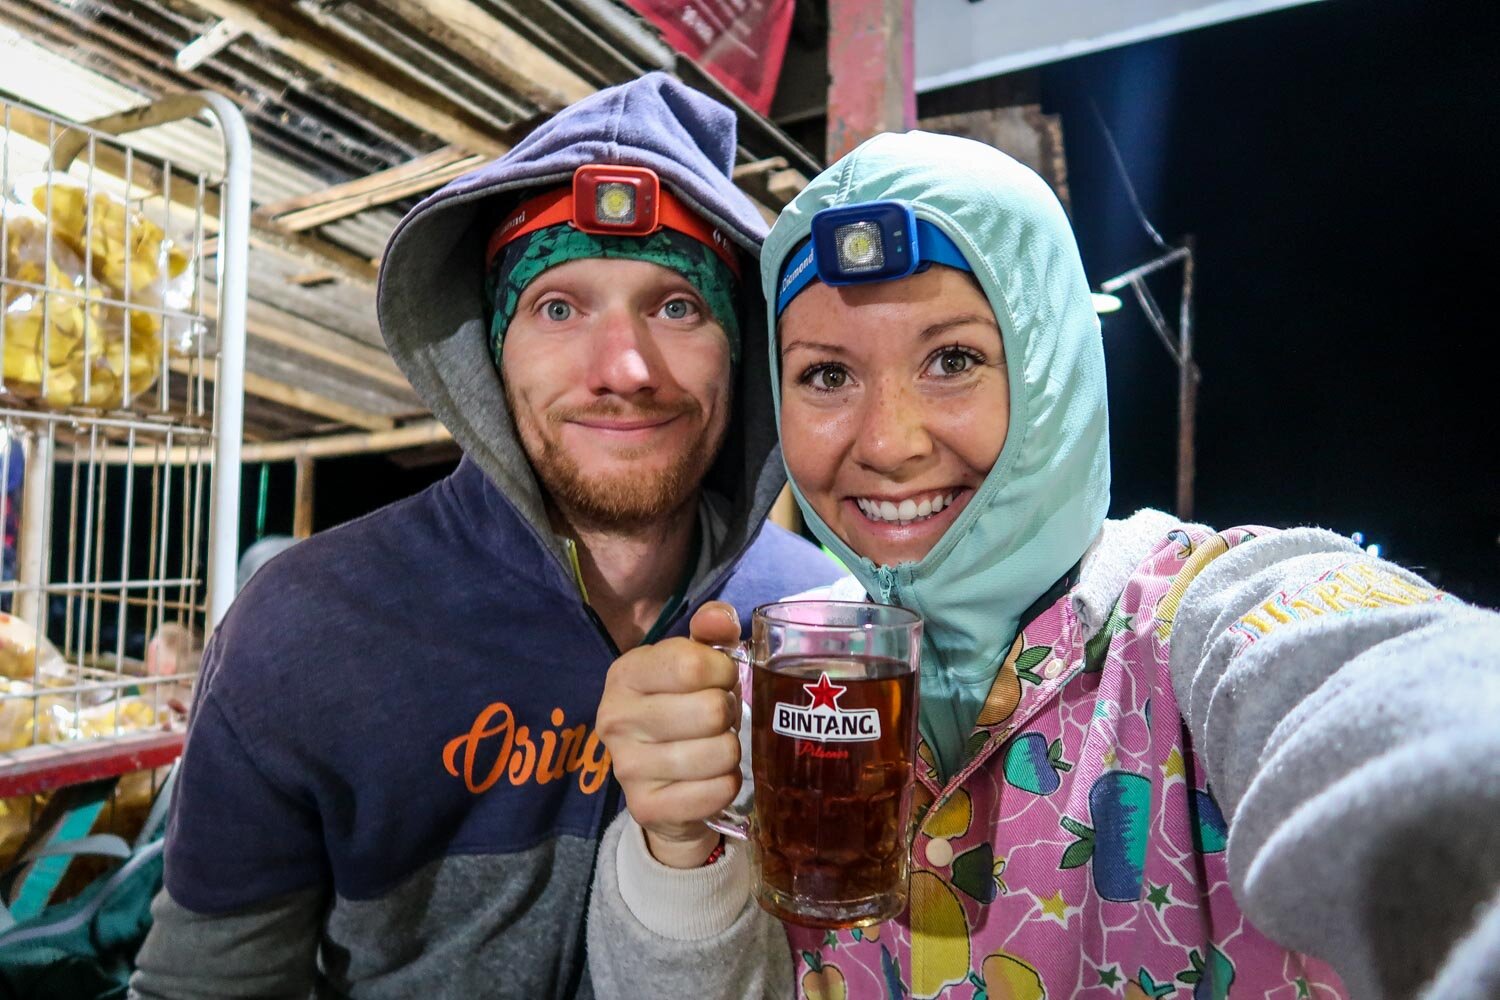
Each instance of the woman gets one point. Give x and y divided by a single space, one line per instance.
1106 705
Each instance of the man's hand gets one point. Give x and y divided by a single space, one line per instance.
669 717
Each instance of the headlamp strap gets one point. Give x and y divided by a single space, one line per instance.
544 210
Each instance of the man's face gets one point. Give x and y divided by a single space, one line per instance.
617 377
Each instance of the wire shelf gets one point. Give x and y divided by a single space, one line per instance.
122 334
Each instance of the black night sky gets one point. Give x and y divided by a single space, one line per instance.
1335 164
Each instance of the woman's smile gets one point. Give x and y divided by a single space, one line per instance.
895 404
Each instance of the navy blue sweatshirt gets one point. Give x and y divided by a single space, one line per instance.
392 785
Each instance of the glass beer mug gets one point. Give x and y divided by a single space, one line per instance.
833 705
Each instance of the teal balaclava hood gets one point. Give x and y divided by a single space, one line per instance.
1045 499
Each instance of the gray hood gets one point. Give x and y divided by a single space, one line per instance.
433 314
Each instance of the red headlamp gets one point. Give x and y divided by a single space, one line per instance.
612 200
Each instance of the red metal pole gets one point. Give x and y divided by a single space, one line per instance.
871 70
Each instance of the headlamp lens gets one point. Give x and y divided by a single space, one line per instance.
859 247
614 203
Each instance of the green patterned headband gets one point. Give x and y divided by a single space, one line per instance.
523 260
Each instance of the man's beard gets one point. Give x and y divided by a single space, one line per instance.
624 501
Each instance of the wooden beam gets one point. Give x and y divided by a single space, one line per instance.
316 253
786 184
308 402
277 27
207 45
114 47
313 279
426 173
302 509
290 367
297 399
759 168
493 47
274 326
310 218
418 167
418 435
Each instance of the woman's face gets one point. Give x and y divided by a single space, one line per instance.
895 403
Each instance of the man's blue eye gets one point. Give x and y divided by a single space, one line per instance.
678 309
558 310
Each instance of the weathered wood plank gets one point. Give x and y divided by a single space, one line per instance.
277 327
427 432
493 46
281 30
305 496
297 399
369 184
344 200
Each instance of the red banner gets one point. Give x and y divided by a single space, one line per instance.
740 42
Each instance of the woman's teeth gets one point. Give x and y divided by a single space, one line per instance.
907 510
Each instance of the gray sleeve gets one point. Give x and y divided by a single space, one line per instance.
265 951
1347 719
749 959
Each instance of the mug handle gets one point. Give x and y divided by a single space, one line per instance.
734 821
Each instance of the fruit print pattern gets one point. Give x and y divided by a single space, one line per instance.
1035 765
822 982
1120 803
1078 853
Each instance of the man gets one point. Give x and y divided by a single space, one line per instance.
392 784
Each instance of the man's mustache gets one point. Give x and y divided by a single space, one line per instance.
609 409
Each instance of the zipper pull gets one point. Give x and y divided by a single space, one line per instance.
885 578
572 549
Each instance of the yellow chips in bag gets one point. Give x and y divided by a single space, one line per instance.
105 259
37 320
120 243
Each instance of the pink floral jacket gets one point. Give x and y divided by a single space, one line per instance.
1079 853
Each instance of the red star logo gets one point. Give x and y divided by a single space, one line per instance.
825 692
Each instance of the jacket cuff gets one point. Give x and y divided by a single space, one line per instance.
682 904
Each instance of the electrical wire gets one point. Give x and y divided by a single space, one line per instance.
1135 202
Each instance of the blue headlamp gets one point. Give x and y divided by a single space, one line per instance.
873 241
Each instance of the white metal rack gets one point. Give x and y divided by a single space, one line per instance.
125 559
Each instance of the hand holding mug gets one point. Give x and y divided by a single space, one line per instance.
669 716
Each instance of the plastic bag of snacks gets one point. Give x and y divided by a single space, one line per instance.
23 718
32 315
15 824
26 656
104 258
25 659
129 714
